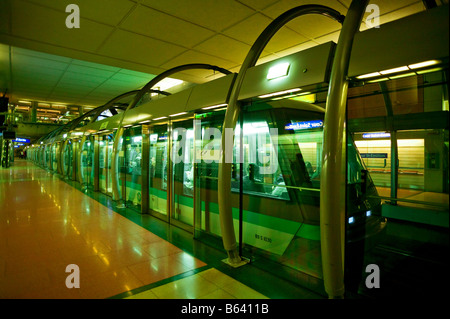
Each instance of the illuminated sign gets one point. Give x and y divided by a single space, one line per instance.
21 140
374 155
304 125
278 71
376 135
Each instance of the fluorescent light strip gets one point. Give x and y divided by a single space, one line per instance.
378 80
429 70
214 106
368 75
394 70
279 93
402 75
401 69
178 114
423 64
159 118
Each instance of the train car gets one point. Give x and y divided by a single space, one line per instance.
173 143
161 157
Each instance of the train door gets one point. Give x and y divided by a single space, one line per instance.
103 163
55 157
157 185
132 170
181 182
207 132
105 151
87 162
67 159
47 161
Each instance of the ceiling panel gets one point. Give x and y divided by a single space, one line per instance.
282 6
258 4
197 57
225 48
213 15
76 69
397 12
48 25
109 12
140 49
249 29
162 26
120 41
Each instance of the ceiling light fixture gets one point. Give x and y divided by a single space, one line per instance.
278 71
279 93
178 114
214 106
411 67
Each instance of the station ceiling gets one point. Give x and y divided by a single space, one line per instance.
122 44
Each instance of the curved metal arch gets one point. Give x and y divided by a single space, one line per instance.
333 174
232 115
110 103
137 98
174 70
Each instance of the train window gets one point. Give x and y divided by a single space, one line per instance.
158 169
183 157
261 172
133 159
87 162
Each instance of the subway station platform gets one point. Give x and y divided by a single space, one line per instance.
47 224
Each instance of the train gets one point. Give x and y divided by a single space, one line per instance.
276 157
159 154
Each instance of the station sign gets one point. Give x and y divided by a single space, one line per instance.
376 135
21 140
304 125
374 155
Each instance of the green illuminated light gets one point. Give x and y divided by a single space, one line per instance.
278 71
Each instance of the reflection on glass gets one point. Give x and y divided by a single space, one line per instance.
158 170
132 165
182 159
87 162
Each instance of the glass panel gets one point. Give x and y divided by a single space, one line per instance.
133 158
54 161
158 169
412 189
66 161
182 171
103 162
285 221
47 156
110 143
208 134
87 162
105 151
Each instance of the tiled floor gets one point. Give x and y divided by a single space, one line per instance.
207 284
45 225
